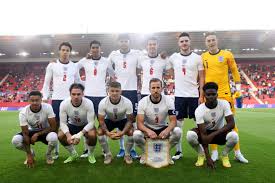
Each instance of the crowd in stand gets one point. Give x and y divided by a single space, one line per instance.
29 76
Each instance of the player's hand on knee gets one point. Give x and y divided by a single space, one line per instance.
69 139
76 141
164 134
151 134
113 135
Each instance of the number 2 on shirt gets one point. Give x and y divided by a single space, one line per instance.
64 77
183 70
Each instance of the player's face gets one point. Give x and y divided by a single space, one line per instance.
124 44
64 52
35 101
95 50
211 95
114 93
211 42
155 89
184 43
76 96
152 46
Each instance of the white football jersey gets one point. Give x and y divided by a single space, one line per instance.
151 68
62 76
96 72
78 116
36 120
115 112
155 114
125 66
186 70
213 118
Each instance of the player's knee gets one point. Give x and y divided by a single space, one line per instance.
192 137
91 134
17 140
177 132
138 135
232 137
52 137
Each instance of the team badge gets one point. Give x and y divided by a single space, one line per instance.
183 61
157 147
213 114
221 58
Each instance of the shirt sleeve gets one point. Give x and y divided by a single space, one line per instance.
129 109
233 67
199 116
227 109
200 64
63 118
23 119
47 82
169 64
50 111
110 69
101 108
141 108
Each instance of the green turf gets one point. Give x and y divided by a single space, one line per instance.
257 127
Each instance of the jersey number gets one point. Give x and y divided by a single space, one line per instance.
183 70
95 71
124 65
151 71
77 119
157 119
64 77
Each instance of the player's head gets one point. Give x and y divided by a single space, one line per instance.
211 41
95 48
152 46
155 87
184 41
124 41
114 90
76 93
210 90
65 49
35 99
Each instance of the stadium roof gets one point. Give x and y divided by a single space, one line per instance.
46 46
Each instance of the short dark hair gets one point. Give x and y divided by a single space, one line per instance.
123 37
152 39
77 86
65 44
95 42
35 93
114 84
210 85
184 34
209 34
153 80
